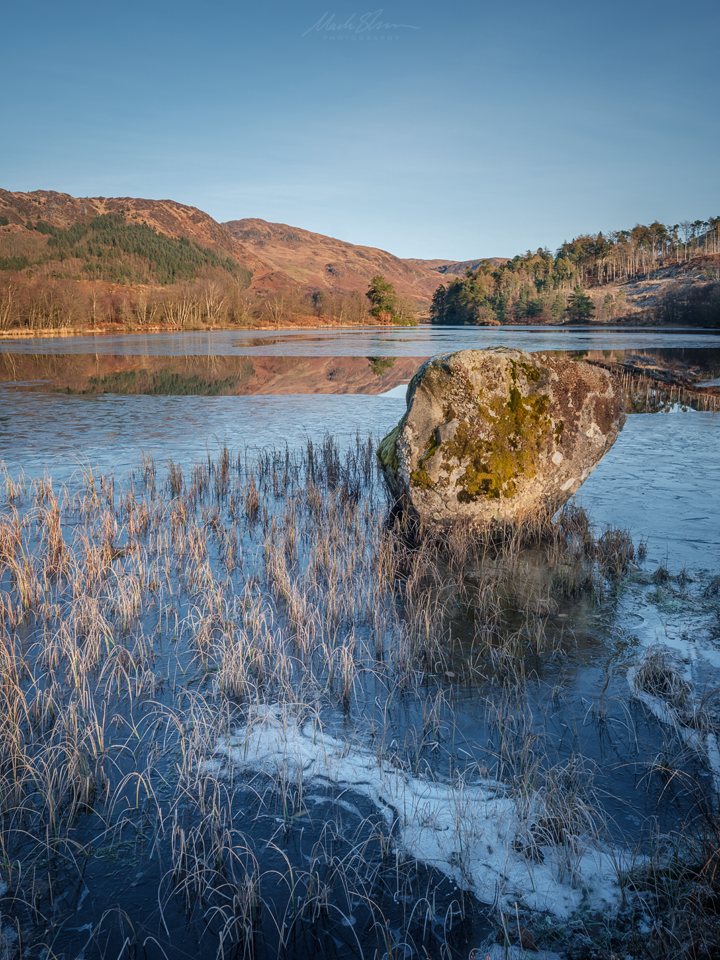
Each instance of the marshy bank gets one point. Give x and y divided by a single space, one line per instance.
654 384
240 716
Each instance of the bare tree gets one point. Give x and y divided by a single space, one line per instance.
214 301
240 309
275 307
139 306
180 307
687 229
94 297
7 298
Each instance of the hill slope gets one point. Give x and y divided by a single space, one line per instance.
458 268
280 257
66 260
62 211
316 262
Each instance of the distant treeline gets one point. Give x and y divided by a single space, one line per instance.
111 249
543 287
628 253
53 304
37 304
686 304
536 288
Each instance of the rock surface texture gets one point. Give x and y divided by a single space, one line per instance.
492 435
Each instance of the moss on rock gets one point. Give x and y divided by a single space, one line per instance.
500 444
490 434
420 477
387 449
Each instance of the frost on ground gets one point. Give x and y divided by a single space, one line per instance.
474 832
663 681
676 620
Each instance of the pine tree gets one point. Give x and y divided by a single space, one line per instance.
382 296
580 305
558 307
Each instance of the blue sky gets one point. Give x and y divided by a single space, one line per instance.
465 130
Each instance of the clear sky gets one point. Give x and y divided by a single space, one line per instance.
464 129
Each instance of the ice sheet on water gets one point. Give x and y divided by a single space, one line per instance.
421 341
464 829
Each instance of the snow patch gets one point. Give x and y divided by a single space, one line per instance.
467 830
704 743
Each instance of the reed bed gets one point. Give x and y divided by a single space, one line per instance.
647 394
168 644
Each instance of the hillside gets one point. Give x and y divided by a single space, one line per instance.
457 268
312 261
68 260
281 258
94 262
621 285
29 222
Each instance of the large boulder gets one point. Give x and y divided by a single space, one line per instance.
493 435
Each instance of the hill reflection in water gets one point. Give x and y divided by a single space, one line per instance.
220 375
209 376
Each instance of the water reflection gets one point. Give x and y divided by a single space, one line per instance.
216 375
209 376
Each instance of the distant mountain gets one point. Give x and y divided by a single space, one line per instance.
313 261
71 261
458 268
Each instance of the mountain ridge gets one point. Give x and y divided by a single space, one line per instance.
326 263
282 258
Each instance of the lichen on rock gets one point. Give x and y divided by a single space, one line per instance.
387 453
490 434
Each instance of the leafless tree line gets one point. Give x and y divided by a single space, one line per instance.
47 303
629 253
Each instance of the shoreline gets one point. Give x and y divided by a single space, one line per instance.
120 329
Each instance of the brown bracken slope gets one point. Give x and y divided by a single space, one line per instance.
458 268
280 257
313 261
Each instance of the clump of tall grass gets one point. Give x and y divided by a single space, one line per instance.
660 678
